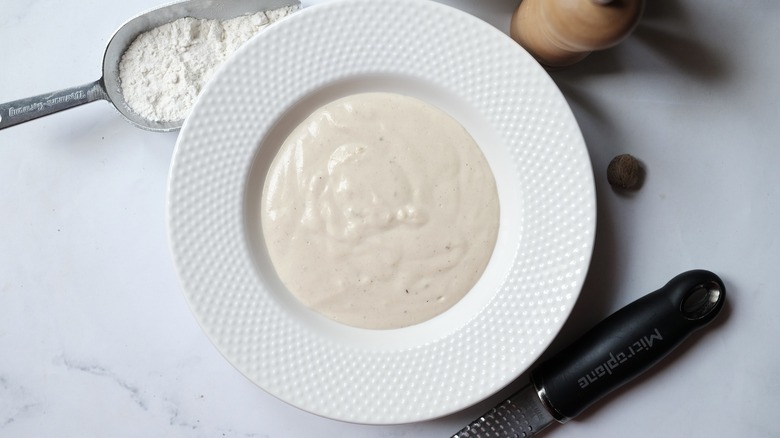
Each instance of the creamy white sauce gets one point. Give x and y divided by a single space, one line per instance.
379 211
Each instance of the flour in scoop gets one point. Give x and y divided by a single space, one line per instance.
164 69
380 211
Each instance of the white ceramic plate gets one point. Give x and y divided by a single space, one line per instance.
529 136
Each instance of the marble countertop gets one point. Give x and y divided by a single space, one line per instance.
96 338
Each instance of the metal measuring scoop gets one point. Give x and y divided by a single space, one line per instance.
108 87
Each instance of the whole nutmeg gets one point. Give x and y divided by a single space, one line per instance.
624 172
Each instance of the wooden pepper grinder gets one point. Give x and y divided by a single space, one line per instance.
559 33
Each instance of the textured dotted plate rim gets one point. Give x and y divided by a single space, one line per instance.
529 136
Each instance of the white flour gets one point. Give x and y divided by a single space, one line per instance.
164 69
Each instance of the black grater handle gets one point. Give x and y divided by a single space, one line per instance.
628 342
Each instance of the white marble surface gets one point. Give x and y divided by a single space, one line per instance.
95 336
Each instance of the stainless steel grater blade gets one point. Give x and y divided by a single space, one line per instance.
520 416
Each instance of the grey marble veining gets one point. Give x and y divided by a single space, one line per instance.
96 338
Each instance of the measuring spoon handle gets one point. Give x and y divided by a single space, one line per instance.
30 108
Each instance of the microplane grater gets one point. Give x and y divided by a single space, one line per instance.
609 355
